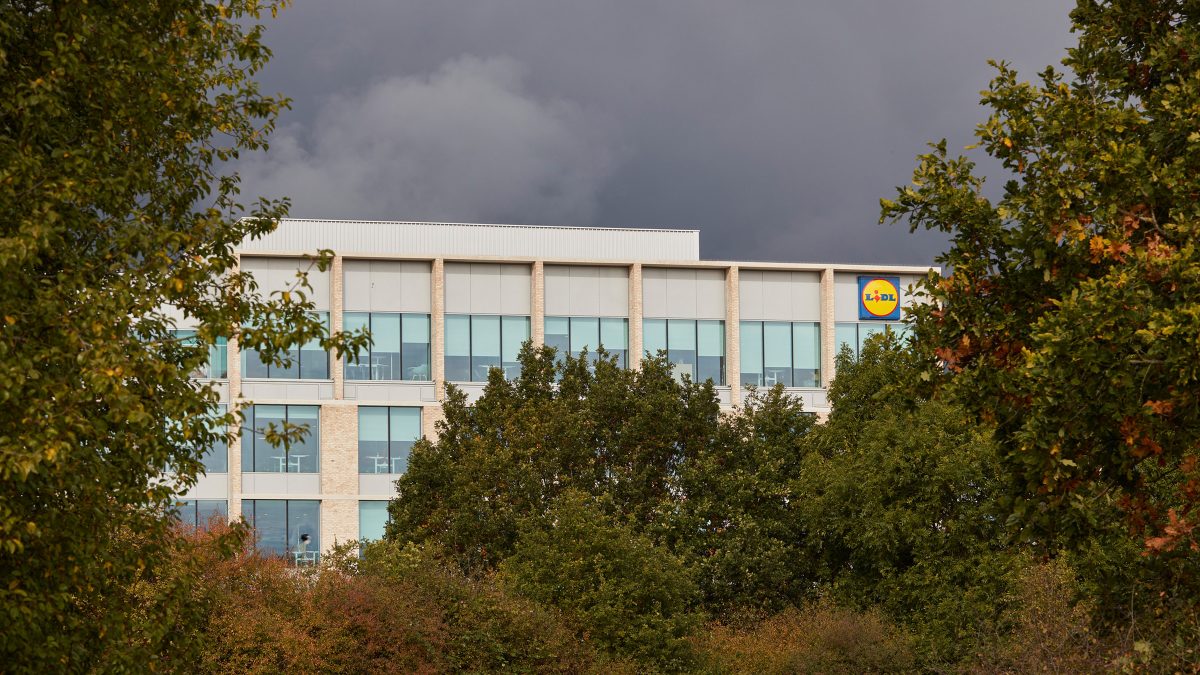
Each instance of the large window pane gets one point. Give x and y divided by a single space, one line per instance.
304 454
358 367
711 351
515 332
372 519
866 330
304 521
218 360
415 347
614 337
681 347
558 334
585 334
654 336
485 346
252 365
268 517
777 354
216 458
458 347
806 347
846 334
405 425
268 458
372 440
752 353
314 361
385 349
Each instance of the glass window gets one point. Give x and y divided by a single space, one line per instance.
372 519
485 346
681 347
217 367
399 347
286 527
654 336
385 438
857 334
458 347
614 337
585 334
752 353
777 353
846 334
308 361
558 334
200 513
710 360
303 456
806 350
216 459
476 343
414 348
514 333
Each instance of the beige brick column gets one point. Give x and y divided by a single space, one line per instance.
828 327
733 335
430 416
538 304
336 292
437 327
635 315
339 473
235 392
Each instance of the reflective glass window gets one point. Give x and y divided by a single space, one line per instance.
307 361
385 438
777 353
514 333
476 343
458 347
752 353
806 351
200 513
614 337
710 355
286 527
415 347
216 458
654 336
372 519
485 346
260 456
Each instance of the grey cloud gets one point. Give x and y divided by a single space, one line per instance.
772 127
464 143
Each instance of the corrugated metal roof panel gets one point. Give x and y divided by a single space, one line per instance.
470 239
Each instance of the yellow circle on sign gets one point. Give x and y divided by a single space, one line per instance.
880 297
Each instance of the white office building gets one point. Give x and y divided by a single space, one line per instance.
445 302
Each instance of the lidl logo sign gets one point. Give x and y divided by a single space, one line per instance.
879 298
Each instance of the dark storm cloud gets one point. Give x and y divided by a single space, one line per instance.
772 127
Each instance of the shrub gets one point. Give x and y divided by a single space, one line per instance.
818 638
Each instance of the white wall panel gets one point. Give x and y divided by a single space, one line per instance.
386 286
557 279
279 274
488 288
683 293
614 291
586 290
774 295
350 237
356 286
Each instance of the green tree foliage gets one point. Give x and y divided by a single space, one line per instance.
115 122
1068 317
628 595
614 432
738 525
897 501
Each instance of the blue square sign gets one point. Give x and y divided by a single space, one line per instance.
878 298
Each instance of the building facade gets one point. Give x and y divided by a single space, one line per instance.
446 302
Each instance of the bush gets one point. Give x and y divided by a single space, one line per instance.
819 638
627 595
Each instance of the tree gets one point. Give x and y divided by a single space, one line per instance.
1068 318
561 425
896 497
117 123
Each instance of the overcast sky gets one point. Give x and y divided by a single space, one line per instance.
772 127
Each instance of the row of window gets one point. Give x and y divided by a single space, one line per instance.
289 528
772 352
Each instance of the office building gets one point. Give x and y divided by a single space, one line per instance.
446 302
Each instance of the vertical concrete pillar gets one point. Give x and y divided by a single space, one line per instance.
336 302
438 327
339 473
538 305
635 315
828 326
733 333
233 354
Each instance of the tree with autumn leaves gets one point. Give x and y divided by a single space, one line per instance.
1068 314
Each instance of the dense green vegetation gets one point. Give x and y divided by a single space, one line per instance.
1014 490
